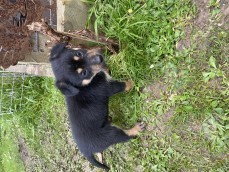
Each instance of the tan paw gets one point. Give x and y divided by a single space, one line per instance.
129 85
136 129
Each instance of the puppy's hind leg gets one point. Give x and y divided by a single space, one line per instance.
135 130
118 135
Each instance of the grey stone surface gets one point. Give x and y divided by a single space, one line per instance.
71 15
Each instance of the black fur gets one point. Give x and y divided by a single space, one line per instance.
87 104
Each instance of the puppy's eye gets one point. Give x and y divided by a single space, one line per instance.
84 72
79 54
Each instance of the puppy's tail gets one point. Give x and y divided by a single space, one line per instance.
92 160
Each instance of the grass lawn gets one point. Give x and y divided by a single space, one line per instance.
176 52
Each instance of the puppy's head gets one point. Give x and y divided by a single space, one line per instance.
75 68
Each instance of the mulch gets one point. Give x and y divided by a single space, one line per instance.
15 37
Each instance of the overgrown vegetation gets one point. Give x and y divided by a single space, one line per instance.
181 94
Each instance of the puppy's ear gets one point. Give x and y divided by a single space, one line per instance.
66 89
56 50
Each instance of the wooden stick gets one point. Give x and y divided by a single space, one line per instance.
85 35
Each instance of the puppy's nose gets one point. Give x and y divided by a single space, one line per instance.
98 59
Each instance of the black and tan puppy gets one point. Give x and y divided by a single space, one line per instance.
81 76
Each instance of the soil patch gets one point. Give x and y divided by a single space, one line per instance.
23 151
202 22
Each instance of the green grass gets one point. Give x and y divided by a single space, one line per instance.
146 36
10 158
181 95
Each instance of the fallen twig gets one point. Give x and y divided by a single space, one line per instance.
83 35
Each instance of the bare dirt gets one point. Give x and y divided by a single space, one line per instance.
15 38
203 22
23 151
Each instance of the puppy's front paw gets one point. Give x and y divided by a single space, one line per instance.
129 85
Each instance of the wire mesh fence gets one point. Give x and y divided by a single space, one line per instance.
16 84
11 98
13 80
